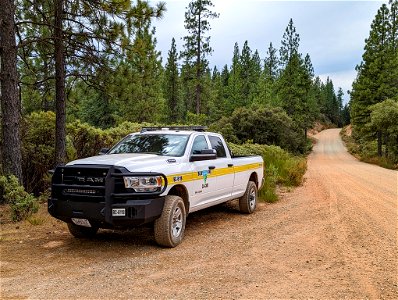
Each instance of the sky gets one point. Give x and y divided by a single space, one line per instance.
333 33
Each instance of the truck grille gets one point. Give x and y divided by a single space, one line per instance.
93 183
84 176
81 183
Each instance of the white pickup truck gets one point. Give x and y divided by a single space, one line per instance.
153 176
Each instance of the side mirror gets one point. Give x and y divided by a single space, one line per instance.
103 151
205 154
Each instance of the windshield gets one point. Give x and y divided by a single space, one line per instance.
160 144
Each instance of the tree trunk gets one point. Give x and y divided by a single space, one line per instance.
10 102
60 105
379 144
198 73
386 145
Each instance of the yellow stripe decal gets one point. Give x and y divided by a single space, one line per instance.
191 176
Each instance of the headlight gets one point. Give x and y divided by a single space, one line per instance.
143 184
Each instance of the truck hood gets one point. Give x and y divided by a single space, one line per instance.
131 161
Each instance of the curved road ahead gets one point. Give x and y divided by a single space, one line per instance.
357 203
334 237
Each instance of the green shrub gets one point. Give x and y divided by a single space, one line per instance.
38 138
38 151
86 139
365 150
117 133
22 203
263 125
280 167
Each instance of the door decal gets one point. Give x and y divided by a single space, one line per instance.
204 173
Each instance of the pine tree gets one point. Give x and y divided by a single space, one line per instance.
318 87
267 94
143 100
331 102
294 87
95 106
295 82
255 75
290 44
367 88
172 85
271 63
308 66
224 78
197 44
234 81
246 74
377 78
340 95
345 115
188 87
10 105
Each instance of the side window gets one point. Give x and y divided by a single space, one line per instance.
217 144
199 144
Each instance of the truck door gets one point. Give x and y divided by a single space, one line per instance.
204 185
223 168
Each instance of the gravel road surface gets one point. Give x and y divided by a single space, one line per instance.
334 237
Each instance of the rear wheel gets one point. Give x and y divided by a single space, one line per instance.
248 202
81 231
169 228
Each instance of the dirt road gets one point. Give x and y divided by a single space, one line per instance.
335 237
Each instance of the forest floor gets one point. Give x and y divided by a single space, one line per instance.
333 237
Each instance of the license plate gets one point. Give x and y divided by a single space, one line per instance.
118 212
81 222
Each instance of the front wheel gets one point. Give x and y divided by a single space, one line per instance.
248 202
169 228
81 231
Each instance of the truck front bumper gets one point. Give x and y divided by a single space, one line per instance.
137 212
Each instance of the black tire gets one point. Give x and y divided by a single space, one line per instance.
81 231
248 202
170 227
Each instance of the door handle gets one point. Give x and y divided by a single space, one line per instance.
230 165
212 167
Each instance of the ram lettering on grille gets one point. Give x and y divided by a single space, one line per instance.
90 179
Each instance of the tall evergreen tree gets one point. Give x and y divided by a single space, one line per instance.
308 66
331 102
294 86
141 90
218 107
377 78
340 95
271 63
224 78
197 44
246 74
172 85
295 82
255 75
10 104
269 75
234 81
290 44
368 88
188 87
